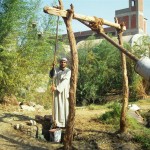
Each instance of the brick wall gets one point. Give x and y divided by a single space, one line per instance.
133 21
124 19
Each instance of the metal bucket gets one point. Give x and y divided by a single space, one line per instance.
142 67
55 135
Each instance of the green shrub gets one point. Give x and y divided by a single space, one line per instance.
112 116
145 140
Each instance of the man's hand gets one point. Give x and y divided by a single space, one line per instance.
53 88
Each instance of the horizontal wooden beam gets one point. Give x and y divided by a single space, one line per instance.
64 13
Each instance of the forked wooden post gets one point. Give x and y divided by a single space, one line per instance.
68 138
125 98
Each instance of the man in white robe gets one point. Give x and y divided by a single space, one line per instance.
61 88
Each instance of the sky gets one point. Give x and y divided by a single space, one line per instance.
100 8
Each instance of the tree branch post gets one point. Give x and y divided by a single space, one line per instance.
68 138
125 98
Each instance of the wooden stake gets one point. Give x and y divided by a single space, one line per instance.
73 83
125 99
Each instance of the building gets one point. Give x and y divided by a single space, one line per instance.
132 17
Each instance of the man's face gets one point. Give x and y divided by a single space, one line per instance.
63 64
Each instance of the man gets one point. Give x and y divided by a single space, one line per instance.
61 88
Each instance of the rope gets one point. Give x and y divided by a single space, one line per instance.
53 96
56 42
95 25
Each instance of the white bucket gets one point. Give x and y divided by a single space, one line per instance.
55 135
142 67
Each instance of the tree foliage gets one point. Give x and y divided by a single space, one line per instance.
14 17
26 49
99 71
138 87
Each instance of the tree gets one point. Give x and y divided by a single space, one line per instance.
25 56
14 16
99 71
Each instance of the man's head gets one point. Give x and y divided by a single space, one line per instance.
63 63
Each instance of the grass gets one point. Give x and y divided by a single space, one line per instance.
94 107
144 140
140 132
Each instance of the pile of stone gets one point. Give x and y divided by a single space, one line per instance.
31 106
37 128
30 128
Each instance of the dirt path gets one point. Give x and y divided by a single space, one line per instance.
91 135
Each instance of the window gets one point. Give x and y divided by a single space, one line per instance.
133 3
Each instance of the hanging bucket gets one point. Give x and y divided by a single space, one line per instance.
142 67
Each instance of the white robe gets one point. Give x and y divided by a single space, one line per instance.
61 104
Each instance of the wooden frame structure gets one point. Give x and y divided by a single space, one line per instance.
96 25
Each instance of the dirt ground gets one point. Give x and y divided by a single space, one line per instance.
91 134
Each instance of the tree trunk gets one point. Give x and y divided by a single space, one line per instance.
73 83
